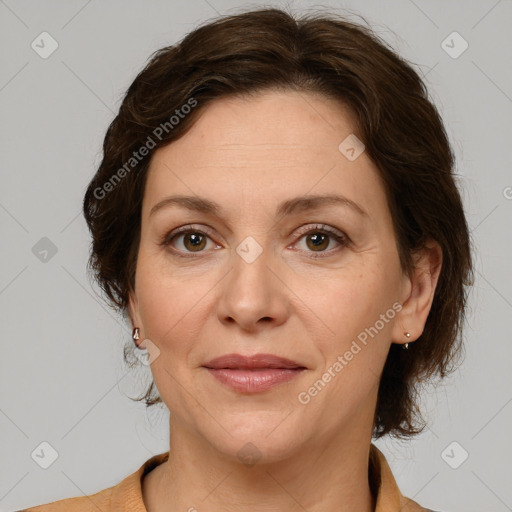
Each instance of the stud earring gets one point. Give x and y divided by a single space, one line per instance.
136 336
406 345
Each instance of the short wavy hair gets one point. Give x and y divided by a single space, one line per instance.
271 49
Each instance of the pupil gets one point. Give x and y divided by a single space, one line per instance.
195 239
317 238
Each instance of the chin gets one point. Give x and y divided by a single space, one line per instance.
254 439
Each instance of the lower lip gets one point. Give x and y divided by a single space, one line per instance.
254 381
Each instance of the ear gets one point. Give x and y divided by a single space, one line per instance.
418 293
133 311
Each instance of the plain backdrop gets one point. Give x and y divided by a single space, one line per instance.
62 377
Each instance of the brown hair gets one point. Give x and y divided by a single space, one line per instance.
402 130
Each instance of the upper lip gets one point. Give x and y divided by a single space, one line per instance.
238 361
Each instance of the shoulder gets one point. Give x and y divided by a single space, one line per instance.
408 505
126 495
388 495
99 502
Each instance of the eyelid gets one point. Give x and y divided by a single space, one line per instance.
196 228
314 227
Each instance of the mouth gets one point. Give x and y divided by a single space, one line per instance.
255 362
252 374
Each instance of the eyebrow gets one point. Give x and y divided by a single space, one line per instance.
288 207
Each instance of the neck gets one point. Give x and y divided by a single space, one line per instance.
326 475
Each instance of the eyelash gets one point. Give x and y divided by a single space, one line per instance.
342 239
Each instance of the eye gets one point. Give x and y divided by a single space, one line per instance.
319 238
187 240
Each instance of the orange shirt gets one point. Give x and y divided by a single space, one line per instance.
127 495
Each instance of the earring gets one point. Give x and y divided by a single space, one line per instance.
135 336
407 335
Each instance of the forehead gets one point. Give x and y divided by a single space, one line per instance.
267 147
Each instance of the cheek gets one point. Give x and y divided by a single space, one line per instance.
169 304
356 348
350 304
171 311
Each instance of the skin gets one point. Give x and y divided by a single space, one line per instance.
248 155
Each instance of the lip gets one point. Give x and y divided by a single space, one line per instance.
253 374
240 362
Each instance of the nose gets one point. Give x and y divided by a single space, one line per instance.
253 295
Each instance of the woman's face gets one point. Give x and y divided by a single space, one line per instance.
266 271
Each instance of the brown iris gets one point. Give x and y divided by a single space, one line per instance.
197 241
317 240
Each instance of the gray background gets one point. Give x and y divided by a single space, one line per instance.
62 377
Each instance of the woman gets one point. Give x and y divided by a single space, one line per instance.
276 215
